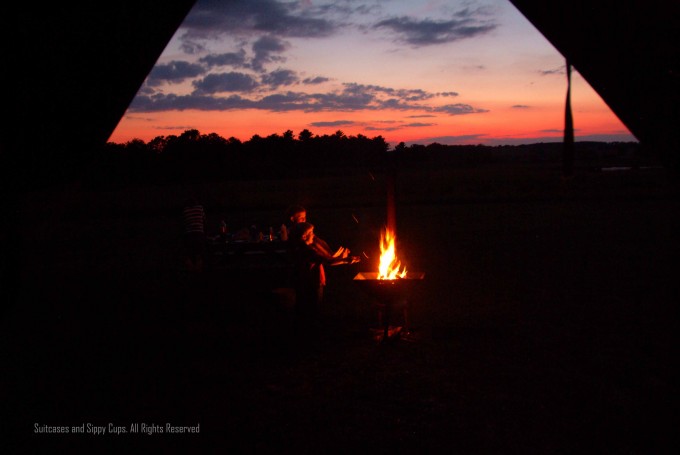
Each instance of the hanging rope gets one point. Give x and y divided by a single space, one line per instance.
568 149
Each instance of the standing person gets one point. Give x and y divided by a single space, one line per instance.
193 215
309 276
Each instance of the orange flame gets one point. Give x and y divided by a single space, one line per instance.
390 267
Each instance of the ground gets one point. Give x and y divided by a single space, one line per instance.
544 324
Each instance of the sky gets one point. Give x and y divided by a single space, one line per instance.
412 71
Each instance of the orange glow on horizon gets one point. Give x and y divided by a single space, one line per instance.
512 123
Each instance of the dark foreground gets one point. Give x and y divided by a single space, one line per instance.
545 324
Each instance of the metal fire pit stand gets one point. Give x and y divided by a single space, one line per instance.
389 294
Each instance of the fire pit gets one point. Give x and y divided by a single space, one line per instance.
391 286
389 294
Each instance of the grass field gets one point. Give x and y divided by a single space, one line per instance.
545 322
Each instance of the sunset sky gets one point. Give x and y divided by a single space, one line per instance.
413 71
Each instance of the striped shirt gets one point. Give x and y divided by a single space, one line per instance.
194 219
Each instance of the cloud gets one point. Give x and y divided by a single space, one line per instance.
351 97
286 19
380 125
458 109
146 89
315 80
265 50
427 32
333 123
418 124
235 59
225 82
402 94
258 30
180 128
561 70
520 106
140 119
173 72
280 77
288 101
383 128
170 102
209 19
192 47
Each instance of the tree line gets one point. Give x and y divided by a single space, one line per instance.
192 156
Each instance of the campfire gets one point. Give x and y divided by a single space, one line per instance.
390 267
391 285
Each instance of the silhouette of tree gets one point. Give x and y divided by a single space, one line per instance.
305 135
288 136
190 135
232 141
157 144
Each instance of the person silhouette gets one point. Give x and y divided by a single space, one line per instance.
309 277
298 214
194 239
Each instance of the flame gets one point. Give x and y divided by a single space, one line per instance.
390 267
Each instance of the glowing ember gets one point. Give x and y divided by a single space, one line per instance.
390 267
